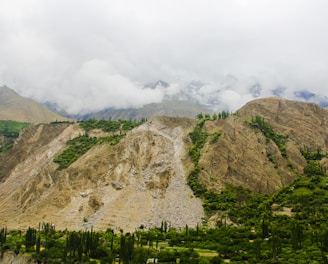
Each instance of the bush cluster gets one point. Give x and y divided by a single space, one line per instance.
269 133
78 146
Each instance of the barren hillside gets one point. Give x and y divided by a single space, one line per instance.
244 156
18 108
142 181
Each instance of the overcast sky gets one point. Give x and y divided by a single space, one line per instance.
85 55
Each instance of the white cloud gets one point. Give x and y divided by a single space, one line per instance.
96 85
86 55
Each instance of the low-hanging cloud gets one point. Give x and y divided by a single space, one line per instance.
89 55
96 85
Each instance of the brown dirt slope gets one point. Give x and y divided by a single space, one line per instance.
142 180
18 108
241 155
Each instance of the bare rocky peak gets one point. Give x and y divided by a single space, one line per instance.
142 180
243 155
304 123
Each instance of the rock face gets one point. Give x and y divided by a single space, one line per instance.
305 123
12 258
241 155
142 181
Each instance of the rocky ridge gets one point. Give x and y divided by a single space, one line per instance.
241 156
142 181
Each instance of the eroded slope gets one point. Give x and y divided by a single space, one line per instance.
140 181
244 156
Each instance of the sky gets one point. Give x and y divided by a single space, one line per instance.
87 55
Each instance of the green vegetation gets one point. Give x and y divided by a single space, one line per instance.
46 245
78 146
315 155
109 125
215 137
10 130
198 137
61 122
313 166
267 130
289 226
215 116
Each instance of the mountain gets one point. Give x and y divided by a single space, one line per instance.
18 108
159 84
312 97
184 103
189 98
143 180
166 108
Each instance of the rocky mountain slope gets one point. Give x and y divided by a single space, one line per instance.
244 156
18 108
166 108
142 181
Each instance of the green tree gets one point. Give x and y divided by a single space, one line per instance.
214 116
30 239
200 116
314 168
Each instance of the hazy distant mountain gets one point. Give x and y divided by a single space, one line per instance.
174 108
189 99
18 108
158 84
312 97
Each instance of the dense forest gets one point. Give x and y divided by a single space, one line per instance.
289 226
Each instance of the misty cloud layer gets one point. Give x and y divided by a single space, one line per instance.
87 55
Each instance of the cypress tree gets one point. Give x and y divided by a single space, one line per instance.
30 238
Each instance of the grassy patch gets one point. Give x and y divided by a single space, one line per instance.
80 145
10 130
